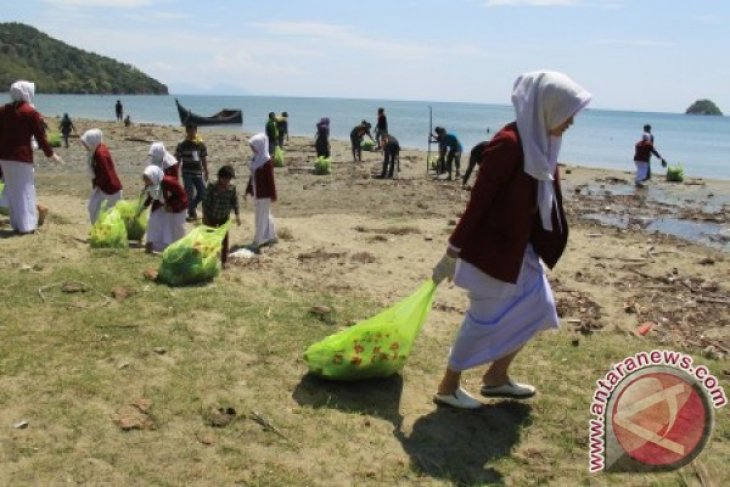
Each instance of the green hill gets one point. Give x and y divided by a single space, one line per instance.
56 67
703 107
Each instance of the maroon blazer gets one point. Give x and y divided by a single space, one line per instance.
265 187
176 200
105 175
501 217
18 122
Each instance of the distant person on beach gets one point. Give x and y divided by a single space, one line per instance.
193 155
450 150
391 151
322 138
272 132
356 136
19 124
381 128
66 127
105 184
282 128
514 219
167 215
475 157
127 121
262 188
159 157
642 157
219 201
119 109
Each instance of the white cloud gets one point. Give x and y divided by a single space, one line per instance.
344 36
634 42
532 3
101 3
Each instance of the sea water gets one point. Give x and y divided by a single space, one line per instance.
599 138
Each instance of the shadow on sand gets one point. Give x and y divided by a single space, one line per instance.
459 445
448 444
375 397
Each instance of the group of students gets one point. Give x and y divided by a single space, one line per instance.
513 223
170 201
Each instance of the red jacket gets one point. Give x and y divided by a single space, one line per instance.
18 122
643 151
265 187
105 175
501 217
176 200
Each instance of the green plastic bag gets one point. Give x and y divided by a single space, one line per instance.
109 230
194 258
367 145
135 223
322 165
675 173
278 157
376 347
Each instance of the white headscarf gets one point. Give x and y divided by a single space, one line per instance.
22 91
260 142
92 139
155 175
159 156
544 100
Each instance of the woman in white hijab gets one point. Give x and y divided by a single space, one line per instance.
104 179
263 189
514 219
19 124
169 204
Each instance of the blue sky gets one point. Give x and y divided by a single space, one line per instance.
643 55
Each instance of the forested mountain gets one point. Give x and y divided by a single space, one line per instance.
56 67
703 107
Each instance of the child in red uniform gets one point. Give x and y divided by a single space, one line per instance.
514 220
261 186
169 204
104 180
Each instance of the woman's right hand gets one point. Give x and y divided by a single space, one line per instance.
444 269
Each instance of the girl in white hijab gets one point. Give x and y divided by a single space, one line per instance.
159 156
169 204
513 220
100 166
20 123
263 189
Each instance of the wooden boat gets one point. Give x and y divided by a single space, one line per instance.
224 117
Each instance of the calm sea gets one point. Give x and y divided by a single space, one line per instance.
599 138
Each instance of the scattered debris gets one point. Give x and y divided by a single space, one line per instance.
21 425
222 417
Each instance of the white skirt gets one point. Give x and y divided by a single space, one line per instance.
264 222
97 198
165 228
20 196
642 171
502 317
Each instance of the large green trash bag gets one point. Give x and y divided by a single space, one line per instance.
278 157
109 230
135 218
323 165
367 145
194 258
376 347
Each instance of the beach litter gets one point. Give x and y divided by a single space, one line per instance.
109 231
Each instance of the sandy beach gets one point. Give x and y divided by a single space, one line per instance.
350 234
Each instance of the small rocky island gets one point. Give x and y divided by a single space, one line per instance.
703 107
